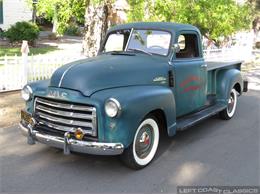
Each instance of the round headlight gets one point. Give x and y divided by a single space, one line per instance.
112 107
26 93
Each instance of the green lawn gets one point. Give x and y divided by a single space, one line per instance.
11 51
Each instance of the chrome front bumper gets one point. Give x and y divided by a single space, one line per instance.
69 144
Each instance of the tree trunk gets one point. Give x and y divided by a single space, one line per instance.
55 20
96 25
256 28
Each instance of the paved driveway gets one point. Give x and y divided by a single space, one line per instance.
214 152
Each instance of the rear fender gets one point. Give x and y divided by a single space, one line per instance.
226 80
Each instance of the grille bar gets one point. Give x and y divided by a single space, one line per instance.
64 106
63 113
62 128
66 116
65 121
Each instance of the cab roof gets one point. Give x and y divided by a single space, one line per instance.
168 26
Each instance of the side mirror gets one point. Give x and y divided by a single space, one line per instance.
176 48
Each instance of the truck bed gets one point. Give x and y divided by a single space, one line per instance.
212 65
212 69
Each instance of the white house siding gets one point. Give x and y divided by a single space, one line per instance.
14 11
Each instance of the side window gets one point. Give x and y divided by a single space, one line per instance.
1 12
188 46
114 42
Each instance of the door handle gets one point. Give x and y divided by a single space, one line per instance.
171 79
204 66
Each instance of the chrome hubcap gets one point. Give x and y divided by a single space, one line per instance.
231 102
144 141
145 138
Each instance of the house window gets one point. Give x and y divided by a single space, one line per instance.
1 12
188 46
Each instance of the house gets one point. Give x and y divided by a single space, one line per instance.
12 11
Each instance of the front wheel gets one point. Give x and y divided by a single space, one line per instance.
141 152
229 112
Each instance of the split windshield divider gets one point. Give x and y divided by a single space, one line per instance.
132 29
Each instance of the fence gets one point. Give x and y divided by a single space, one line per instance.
226 54
16 71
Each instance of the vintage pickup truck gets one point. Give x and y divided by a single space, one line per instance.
147 79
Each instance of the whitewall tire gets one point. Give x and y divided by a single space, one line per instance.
229 112
143 149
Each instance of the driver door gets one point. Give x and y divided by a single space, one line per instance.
190 75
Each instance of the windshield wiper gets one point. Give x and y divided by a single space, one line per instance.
139 50
119 53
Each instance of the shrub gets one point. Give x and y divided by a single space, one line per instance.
52 36
73 31
23 31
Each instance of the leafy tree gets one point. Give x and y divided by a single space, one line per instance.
63 13
215 18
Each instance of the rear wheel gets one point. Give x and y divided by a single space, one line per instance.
142 151
229 112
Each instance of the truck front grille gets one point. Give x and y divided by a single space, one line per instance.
65 116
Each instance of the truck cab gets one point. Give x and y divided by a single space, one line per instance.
147 79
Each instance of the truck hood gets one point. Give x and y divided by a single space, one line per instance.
110 71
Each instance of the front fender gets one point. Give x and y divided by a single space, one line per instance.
226 79
37 87
136 103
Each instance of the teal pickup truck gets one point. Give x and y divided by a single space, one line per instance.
147 79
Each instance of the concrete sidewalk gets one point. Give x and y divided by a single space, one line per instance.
254 79
67 45
10 105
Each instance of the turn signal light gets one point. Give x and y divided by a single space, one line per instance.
79 134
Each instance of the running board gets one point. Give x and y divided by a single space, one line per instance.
192 119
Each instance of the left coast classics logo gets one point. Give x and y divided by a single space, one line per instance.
57 94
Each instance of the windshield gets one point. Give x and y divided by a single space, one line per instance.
133 40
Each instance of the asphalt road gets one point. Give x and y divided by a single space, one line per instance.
215 152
